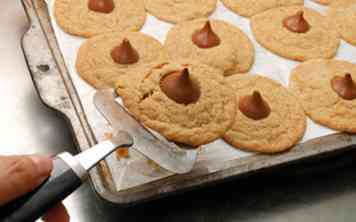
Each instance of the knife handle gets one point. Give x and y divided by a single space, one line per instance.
30 207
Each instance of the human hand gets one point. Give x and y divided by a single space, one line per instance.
21 174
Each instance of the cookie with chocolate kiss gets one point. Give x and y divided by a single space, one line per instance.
344 86
206 37
254 106
88 18
296 33
296 23
269 118
103 6
179 87
212 42
327 91
103 59
124 53
188 103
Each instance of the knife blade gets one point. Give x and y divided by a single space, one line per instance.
155 147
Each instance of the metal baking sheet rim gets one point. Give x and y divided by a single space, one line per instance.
56 90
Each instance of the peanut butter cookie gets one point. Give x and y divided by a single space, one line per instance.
296 33
215 43
269 119
250 8
157 97
102 59
343 12
88 18
327 91
182 10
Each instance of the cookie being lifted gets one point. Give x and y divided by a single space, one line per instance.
269 119
215 43
296 33
250 8
186 103
327 91
88 18
177 11
103 59
343 12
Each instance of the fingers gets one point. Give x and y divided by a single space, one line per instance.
57 214
21 174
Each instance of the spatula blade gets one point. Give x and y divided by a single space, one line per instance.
166 154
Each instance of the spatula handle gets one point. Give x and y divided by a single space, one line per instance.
62 182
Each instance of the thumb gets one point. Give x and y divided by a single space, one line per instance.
21 174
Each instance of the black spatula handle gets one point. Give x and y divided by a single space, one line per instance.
62 182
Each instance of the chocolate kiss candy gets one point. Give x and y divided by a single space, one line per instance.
125 54
344 86
296 23
254 107
104 6
179 87
205 37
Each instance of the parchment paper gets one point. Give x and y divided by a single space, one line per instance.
137 170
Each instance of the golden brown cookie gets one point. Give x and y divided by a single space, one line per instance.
312 83
177 11
95 62
343 12
321 39
196 123
234 53
250 8
75 17
282 127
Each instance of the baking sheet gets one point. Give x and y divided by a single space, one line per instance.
138 170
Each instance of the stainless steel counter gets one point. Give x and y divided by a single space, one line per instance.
320 191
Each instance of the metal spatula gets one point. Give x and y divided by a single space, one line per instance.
166 154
